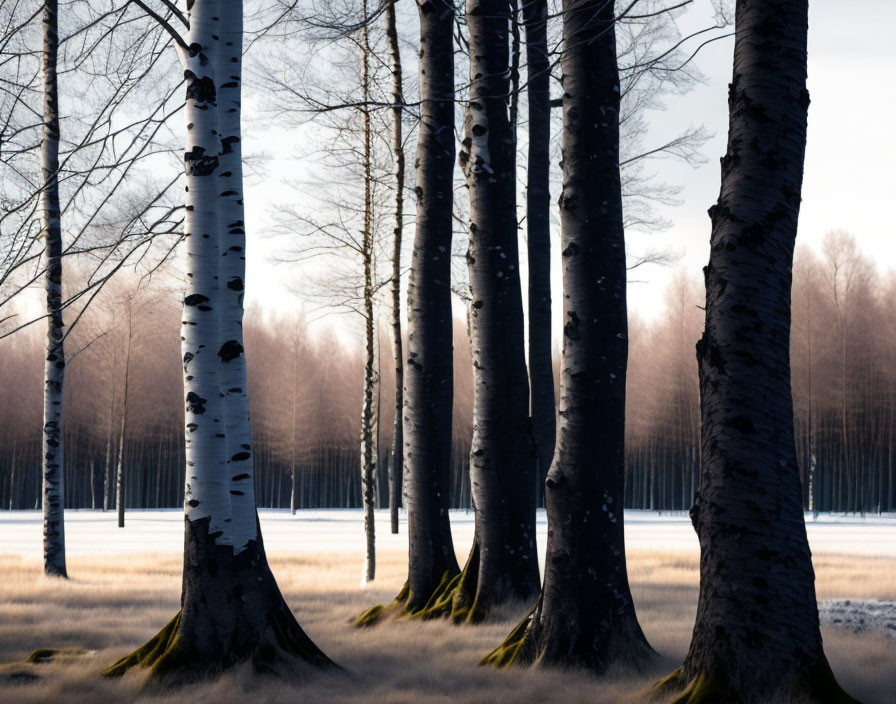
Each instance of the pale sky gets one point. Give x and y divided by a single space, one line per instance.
849 178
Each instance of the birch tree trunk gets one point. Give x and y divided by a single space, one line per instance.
429 380
207 488
503 564
232 374
231 608
538 194
368 452
397 460
54 368
585 616
756 637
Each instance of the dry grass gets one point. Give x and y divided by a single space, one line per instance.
113 604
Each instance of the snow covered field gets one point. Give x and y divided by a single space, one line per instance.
340 531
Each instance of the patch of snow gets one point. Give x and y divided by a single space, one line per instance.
859 616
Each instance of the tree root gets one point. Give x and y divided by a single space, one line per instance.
280 650
373 616
150 654
531 642
505 655
441 603
237 617
705 688
438 605
458 599
820 687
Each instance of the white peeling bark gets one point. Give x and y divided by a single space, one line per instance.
54 368
368 451
240 463
232 611
207 488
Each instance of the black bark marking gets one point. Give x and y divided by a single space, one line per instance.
198 164
230 350
195 299
202 90
195 403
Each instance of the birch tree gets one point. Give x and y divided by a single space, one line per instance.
432 565
396 460
538 233
368 450
232 272
503 564
585 615
756 637
54 370
231 608
652 64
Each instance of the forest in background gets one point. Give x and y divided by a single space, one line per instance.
304 391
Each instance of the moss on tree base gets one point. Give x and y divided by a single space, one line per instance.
232 613
532 642
437 605
455 597
505 655
705 688
159 653
711 687
458 598
42 655
371 617
279 650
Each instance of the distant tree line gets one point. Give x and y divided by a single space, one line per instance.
844 386
306 387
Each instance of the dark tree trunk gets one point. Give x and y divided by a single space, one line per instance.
503 564
538 230
396 454
429 374
756 637
585 616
